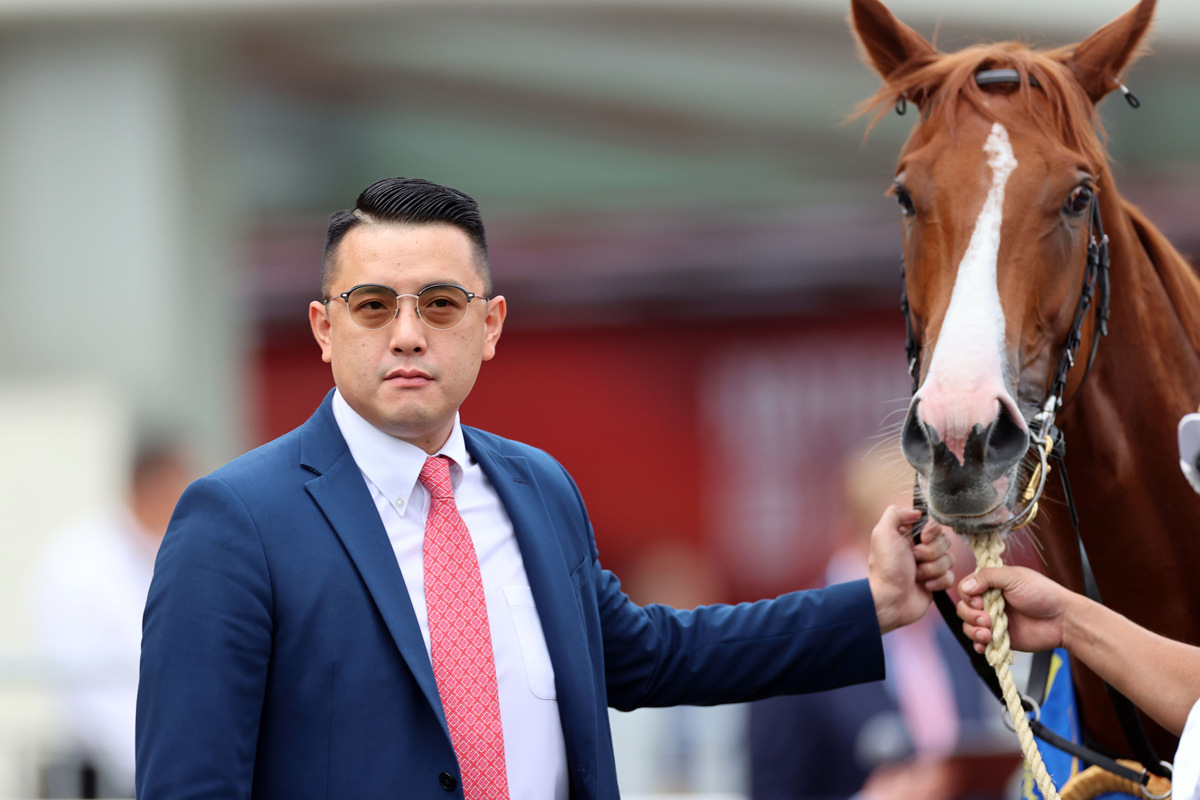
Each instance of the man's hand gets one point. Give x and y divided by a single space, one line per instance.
902 575
1036 606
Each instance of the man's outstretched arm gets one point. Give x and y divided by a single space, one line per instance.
799 642
206 645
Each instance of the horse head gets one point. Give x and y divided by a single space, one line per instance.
996 186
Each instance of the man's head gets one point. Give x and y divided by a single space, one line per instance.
407 378
412 201
161 471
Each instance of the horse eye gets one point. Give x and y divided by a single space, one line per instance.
905 200
1079 201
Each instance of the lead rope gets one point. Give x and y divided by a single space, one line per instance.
989 550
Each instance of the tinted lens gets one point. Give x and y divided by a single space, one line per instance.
372 307
443 306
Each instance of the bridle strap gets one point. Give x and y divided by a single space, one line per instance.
1095 284
1102 294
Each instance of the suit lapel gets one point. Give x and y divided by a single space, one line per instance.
343 496
550 581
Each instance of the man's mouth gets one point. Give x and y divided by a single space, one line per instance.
408 377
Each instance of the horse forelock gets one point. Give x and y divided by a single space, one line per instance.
940 85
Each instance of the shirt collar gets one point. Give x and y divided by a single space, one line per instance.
393 465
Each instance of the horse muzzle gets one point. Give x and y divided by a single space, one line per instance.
967 475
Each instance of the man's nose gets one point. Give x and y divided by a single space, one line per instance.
407 330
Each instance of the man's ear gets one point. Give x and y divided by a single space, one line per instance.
497 310
888 43
1098 61
318 320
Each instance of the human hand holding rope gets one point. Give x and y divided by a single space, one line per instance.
903 575
1038 608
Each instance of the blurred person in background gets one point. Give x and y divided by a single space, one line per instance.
387 603
88 591
885 740
680 748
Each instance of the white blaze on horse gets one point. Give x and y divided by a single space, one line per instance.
1002 186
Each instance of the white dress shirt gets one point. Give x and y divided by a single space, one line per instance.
534 751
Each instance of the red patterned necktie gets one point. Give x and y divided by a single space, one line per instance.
460 641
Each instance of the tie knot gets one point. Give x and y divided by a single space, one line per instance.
435 476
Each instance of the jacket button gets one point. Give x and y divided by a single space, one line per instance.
447 781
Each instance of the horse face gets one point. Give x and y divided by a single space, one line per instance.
996 232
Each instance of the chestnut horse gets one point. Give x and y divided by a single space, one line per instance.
996 185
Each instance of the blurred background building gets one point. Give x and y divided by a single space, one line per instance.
701 267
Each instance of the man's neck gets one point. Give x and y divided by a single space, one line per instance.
431 443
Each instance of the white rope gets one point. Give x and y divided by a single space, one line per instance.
988 551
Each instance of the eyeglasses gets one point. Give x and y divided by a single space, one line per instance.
441 307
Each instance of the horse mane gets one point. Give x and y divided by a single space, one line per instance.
1178 278
939 83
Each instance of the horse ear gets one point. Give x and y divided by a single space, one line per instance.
1098 61
888 42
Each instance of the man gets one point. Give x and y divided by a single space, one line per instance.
385 603
87 592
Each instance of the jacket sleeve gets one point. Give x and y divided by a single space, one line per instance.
206 646
797 643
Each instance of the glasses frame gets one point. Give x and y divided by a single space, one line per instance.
345 296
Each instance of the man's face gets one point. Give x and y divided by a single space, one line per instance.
407 379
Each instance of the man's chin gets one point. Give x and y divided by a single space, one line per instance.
413 421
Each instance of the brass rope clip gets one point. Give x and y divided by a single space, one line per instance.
1031 493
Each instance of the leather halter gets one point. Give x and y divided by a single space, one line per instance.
1049 445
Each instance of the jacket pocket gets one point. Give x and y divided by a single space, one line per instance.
538 669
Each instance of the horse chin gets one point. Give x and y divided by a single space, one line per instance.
974 525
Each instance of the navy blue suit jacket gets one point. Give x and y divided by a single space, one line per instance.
281 657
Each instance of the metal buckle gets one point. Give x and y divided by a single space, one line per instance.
1031 706
1147 793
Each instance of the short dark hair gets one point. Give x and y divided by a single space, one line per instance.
411 201
155 451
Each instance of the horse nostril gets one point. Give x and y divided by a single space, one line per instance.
1007 440
914 442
